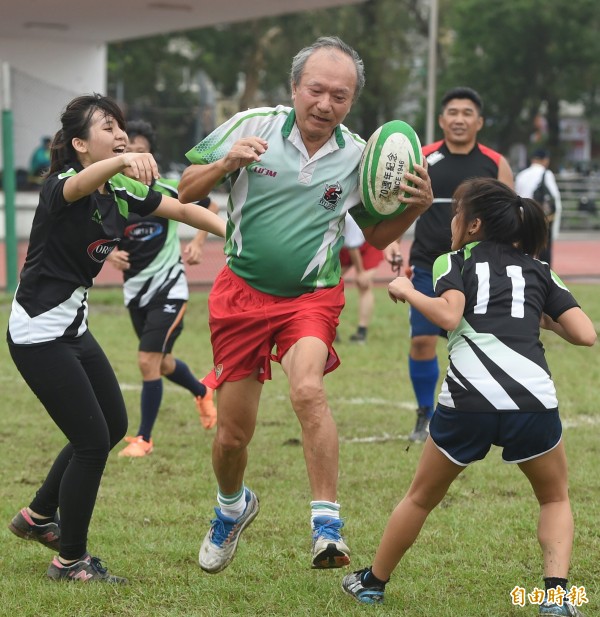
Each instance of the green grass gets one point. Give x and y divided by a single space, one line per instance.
152 513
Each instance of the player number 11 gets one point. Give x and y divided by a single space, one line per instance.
515 273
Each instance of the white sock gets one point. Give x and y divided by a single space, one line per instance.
232 506
329 509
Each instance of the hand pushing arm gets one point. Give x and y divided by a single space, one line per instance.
446 311
142 167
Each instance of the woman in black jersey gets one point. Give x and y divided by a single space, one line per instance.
492 297
80 218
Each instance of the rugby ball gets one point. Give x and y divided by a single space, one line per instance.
391 151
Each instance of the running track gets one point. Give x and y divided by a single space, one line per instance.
576 257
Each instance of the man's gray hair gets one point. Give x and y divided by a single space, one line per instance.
328 42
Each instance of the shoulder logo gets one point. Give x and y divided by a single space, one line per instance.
96 217
331 196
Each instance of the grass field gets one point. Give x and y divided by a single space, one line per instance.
152 513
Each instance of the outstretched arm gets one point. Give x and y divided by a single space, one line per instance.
445 311
140 165
191 214
192 252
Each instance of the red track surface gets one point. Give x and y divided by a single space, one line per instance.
576 256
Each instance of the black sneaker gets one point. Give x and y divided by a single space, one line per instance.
353 585
23 526
421 430
87 569
358 337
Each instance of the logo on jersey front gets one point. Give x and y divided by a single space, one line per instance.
435 157
101 249
96 217
144 231
256 168
331 196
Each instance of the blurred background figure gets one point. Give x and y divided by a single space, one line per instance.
456 157
364 258
156 294
539 138
528 183
40 161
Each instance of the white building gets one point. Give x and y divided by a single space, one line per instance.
57 49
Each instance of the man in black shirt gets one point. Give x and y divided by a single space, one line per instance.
455 158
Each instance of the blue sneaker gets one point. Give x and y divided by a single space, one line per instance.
353 585
218 548
328 549
555 610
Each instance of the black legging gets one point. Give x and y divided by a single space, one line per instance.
76 384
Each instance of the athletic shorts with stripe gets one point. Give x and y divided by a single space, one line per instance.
158 324
246 324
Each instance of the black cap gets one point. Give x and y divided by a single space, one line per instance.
540 153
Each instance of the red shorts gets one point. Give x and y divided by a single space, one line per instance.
245 325
371 256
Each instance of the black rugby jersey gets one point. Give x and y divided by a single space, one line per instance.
68 245
155 265
432 231
496 359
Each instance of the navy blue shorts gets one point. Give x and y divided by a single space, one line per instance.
466 436
420 325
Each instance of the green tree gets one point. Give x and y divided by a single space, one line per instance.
154 77
520 55
523 54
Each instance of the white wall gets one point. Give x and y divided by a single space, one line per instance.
45 76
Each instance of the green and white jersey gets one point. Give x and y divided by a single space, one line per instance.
155 265
286 213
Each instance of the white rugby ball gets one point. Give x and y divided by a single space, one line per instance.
391 151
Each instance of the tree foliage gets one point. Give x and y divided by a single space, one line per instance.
520 55
250 61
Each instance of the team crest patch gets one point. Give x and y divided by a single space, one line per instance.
331 196
218 370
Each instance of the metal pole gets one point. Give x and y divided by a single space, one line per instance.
431 70
9 183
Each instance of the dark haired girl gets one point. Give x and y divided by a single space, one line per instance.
80 218
491 297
